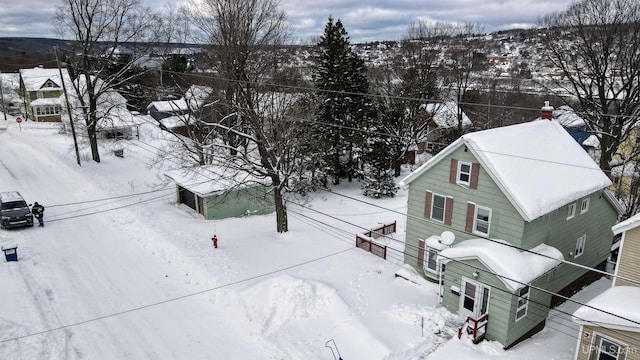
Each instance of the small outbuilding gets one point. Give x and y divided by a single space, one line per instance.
217 194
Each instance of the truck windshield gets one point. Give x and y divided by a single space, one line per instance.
13 205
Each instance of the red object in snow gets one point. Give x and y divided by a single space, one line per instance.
215 241
18 120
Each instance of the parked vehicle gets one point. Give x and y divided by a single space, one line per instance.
14 211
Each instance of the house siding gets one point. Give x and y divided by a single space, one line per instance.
500 300
253 201
627 262
506 223
502 326
537 311
555 230
586 345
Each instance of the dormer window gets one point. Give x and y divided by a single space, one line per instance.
571 211
50 84
464 173
584 207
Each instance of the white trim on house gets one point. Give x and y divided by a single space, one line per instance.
581 242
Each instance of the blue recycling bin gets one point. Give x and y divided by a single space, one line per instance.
11 254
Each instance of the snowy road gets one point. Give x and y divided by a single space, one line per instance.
79 277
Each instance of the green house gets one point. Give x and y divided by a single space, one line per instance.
41 89
218 194
498 216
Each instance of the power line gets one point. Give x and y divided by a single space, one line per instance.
356 225
174 299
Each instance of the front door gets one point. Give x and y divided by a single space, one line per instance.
474 299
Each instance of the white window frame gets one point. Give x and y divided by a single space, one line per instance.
475 220
444 207
580 244
428 252
596 345
571 211
459 173
584 205
522 302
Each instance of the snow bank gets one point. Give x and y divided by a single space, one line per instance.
299 316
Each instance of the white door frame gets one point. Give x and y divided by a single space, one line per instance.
474 302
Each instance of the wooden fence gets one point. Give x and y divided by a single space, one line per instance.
368 242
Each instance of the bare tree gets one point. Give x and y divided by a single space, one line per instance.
460 68
594 43
258 135
100 30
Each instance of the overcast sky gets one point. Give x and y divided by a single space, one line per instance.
363 20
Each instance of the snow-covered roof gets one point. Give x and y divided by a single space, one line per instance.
197 94
445 115
118 117
46 102
174 121
616 308
10 83
169 106
34 79
537 165
111 105
626 225
592 141
567 117
209 180
513 267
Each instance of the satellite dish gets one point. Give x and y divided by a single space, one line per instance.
447 238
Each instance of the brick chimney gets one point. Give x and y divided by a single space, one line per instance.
547 111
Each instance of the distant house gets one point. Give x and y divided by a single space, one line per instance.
196 96
577 128
442 118
610 323
502 209
216 195
41 89
115 119
164 109
13 102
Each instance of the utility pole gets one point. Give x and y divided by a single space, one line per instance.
66 98
4 109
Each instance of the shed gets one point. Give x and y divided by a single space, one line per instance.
217 193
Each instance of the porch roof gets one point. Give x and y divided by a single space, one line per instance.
513 267
615 308
211 180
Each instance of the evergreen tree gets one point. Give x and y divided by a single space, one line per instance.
344 114
378 181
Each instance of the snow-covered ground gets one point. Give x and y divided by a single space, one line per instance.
119 271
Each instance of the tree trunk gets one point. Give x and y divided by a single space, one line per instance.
282 221
93 141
